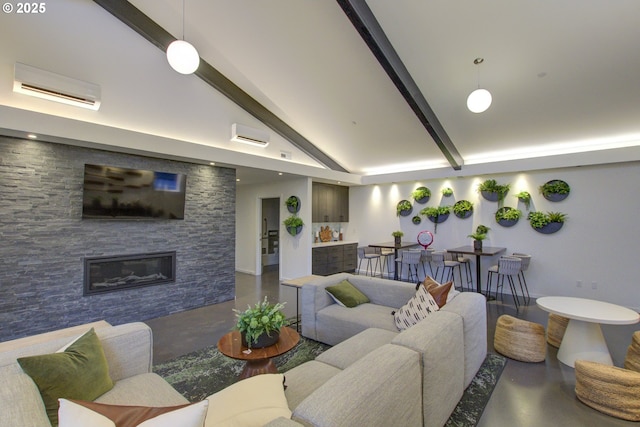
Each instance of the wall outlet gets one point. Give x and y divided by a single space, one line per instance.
579 284
594 285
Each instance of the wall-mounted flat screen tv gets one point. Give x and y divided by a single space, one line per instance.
120 193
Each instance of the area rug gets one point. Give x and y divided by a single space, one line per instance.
198 374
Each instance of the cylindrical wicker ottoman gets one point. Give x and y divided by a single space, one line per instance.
520 339
555 329
632 361
614 391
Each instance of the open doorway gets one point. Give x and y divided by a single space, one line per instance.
270 234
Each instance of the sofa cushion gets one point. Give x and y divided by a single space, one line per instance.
79 372
335 323
304 379
75 413
354 348
252 402
347 295
143 390
416 309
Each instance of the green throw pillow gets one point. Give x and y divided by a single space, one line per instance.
346 294
80 372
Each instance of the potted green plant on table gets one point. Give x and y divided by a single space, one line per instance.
525 198
397 237
492 191
260 325
421 195
293 204
293 224
404 208
555 190
508 217
479 236
436 214
463 209
546 223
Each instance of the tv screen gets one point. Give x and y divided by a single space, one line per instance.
114 192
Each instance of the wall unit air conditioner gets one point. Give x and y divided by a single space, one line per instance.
248 135
33 81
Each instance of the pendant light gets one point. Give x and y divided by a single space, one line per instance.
480 99
182 56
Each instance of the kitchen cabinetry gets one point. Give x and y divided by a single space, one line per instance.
333 259
330 203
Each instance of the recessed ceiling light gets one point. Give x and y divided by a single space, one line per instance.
280 173
32 136
212 163
237 179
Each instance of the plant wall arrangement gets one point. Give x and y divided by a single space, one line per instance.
447 192
293 224
436 215
525 198
492 191
404 208
508 217
546 223
421 195
555 190
463 209
293 204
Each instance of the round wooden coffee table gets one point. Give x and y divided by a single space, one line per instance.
259 359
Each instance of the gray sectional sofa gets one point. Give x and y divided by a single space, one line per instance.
374 375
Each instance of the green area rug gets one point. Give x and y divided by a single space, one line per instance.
201 373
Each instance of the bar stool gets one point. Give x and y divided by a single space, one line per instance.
425 259
526 260
384 261
438 259
411 259
466 261
369 254
508 267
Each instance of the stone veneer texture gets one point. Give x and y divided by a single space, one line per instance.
44 240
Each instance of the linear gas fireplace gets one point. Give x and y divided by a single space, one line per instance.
114 273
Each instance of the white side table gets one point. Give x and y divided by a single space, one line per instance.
583 337
298 283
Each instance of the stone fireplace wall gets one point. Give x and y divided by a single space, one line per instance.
43 240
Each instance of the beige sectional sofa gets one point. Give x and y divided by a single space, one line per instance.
368 377
128 349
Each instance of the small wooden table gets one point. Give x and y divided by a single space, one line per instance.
298 283
583 337
486 251
259 359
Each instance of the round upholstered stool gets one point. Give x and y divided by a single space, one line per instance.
608 389
555 329
520 339
632 361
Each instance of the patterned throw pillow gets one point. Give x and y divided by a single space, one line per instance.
416 309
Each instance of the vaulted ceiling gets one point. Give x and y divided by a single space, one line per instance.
564 75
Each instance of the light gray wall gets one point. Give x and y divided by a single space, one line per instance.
598 243
43 240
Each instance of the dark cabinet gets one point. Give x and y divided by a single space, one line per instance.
334 259
330 203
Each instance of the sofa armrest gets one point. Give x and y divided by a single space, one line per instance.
282 422
128 349
382 388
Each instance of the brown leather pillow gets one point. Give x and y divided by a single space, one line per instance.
430 283
438 292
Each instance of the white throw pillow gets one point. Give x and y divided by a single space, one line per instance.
76 414
250 402
416 309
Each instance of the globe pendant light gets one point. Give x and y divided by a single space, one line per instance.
182 56
480 99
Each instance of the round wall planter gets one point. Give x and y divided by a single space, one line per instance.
556 197
416 220
438 219
405 212
463 215
425 199
549 228
491 196
506 222
294 209
294 231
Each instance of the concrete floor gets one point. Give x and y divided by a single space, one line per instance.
527 394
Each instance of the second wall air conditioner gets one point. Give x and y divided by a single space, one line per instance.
248 135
